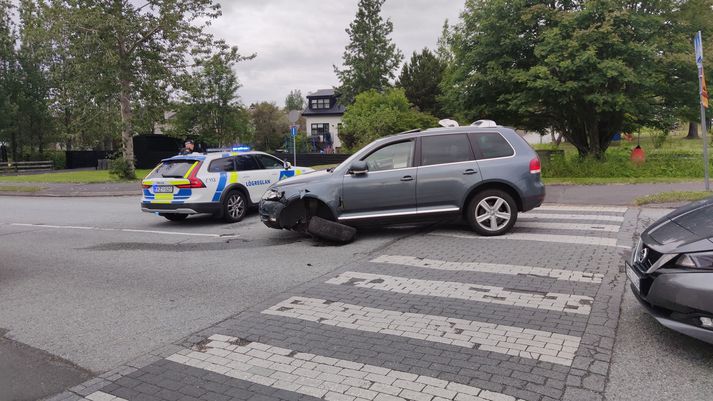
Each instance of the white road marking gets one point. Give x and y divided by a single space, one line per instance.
328 378
559 274
126 230
590 217
585 208
102 396
579 304
609 228
565 239
510 340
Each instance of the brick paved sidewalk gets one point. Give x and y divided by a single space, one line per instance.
441 316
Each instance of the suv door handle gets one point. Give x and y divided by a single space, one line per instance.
407 178
469 172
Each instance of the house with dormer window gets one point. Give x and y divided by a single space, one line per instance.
323 118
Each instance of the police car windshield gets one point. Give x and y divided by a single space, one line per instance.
172 169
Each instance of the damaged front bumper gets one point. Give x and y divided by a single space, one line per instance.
270 211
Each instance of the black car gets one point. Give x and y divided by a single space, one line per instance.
671 270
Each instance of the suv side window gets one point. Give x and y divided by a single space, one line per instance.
396 155
491 145
221 165
442 149
270 162
245 163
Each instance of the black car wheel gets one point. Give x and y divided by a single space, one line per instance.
174 216
235 206
492 212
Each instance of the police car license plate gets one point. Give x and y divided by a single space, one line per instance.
163 189
633 277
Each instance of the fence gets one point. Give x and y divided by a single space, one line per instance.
24 167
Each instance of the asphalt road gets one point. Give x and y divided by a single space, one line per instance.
98 283
87 284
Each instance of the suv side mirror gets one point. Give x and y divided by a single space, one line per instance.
287 165
359 168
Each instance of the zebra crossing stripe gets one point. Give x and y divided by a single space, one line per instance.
102 396
579 304
322 377
524 343
558 238
558 274
585 208
610 228
558 216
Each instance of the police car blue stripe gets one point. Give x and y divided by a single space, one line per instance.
221 186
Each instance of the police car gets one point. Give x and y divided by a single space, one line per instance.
222 183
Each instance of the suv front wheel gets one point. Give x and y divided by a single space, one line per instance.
492 212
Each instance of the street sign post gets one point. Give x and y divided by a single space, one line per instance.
703 92
293 133
293 116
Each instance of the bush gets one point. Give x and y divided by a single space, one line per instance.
121 168
58 158
657 136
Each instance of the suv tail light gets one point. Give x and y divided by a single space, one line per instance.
194 182
535 166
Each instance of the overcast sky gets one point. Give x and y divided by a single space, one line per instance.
297 42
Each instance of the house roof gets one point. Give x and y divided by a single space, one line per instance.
336 109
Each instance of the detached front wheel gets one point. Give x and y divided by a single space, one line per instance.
492 212
235 206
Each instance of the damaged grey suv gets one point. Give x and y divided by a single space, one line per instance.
671 270
485 175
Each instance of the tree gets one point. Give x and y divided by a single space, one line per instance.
370 58
135 53
587 69
374 115
210 107
8 78
420 78
294 100
271 126
444 51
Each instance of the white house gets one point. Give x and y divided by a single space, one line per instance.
323 118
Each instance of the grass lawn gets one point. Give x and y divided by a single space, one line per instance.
677 160
19 188
79 177
673 196
324 166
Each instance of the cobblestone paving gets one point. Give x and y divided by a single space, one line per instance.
444 315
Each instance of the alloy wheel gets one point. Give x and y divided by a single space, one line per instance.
236 206
493 213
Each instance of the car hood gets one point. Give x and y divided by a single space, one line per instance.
687 229
303 179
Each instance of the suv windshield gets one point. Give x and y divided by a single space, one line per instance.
172 168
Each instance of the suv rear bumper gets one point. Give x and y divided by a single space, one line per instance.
182 208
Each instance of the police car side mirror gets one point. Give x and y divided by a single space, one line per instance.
287 165
359 168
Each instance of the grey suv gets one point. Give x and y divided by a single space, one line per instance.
486 175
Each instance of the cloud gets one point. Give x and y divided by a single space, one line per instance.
297 43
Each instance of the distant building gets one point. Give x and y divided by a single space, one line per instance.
323 119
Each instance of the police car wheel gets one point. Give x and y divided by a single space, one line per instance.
234 207
174 216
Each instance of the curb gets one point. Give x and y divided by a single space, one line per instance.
70 195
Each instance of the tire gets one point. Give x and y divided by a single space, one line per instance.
330 230
492 212
174 216
235 206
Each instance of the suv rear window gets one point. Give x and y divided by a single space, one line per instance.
172 168
442 149
492 145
